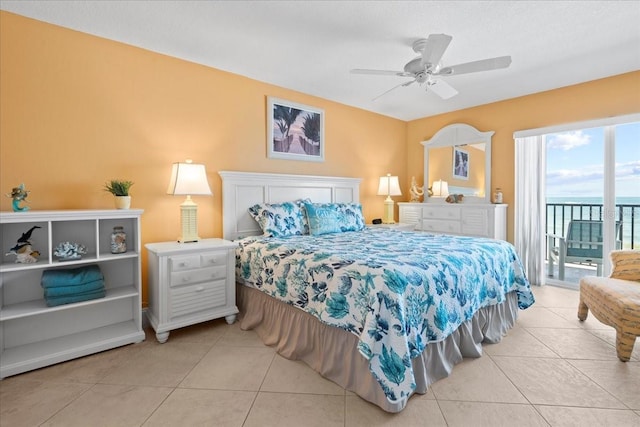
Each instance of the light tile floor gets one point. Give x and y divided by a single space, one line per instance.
551 369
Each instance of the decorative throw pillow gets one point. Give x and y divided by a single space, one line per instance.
324 218
280 219
625 264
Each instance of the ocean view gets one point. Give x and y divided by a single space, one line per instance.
629 216
593 200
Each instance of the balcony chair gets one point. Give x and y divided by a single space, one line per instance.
582 245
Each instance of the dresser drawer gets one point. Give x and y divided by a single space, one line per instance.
194 298
441 226
213 259
189 277
185 262
475 222
441 213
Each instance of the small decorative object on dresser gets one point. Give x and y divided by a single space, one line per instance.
190 284
454 198
497 196
120 189
416 192
19 195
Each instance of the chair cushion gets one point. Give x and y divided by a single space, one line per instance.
625 264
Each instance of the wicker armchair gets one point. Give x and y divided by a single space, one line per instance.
615 300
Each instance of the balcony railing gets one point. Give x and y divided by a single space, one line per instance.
559 215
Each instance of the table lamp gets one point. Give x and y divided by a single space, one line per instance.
189 179
388 186
440 188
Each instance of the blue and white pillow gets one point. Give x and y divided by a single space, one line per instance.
324 218
281 219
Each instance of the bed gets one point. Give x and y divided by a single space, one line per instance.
383 313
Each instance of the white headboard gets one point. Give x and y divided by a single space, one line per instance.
240 190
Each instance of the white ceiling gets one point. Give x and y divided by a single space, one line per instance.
310 46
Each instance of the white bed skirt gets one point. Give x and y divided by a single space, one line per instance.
333 353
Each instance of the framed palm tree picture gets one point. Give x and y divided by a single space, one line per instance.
294 131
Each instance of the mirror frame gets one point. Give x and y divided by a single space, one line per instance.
459 134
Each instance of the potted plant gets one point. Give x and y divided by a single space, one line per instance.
120 189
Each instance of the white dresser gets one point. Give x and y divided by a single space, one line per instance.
473 219
190 283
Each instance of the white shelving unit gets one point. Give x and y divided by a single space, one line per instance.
33 335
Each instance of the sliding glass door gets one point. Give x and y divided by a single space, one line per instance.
577 197
592 199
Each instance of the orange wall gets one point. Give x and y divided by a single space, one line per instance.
608 97
77 110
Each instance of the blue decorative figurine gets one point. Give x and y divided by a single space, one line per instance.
19 194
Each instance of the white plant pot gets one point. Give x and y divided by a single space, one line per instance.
123 202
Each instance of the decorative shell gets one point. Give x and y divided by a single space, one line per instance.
69 250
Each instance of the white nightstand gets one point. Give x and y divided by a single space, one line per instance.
399 226
190 283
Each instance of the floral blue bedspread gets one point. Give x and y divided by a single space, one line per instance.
397 291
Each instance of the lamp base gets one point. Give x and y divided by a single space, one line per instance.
189 221
387 218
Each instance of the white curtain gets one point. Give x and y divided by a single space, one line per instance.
530 206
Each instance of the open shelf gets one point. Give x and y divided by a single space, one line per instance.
36 307
33 335
43 353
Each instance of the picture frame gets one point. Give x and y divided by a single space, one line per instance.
294 131
460 163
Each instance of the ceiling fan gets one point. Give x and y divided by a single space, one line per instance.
427 68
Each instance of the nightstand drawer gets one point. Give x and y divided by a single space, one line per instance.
199 275
213 258
186 262
191 299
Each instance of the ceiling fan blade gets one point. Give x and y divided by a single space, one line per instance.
381 72
395 87
442 89
475 66
432 48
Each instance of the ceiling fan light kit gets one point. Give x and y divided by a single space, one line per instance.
426 68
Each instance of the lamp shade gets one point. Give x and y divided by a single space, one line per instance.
389 186
189 179
440 188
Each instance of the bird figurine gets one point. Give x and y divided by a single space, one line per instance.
27 235
24 254
23 250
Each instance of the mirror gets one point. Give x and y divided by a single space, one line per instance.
459 155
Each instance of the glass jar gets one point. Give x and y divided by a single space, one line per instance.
118 241
497 196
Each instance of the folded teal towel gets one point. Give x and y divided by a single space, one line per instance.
71 277
59 291
68 299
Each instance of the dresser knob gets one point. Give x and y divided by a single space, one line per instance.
186 279
199 289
